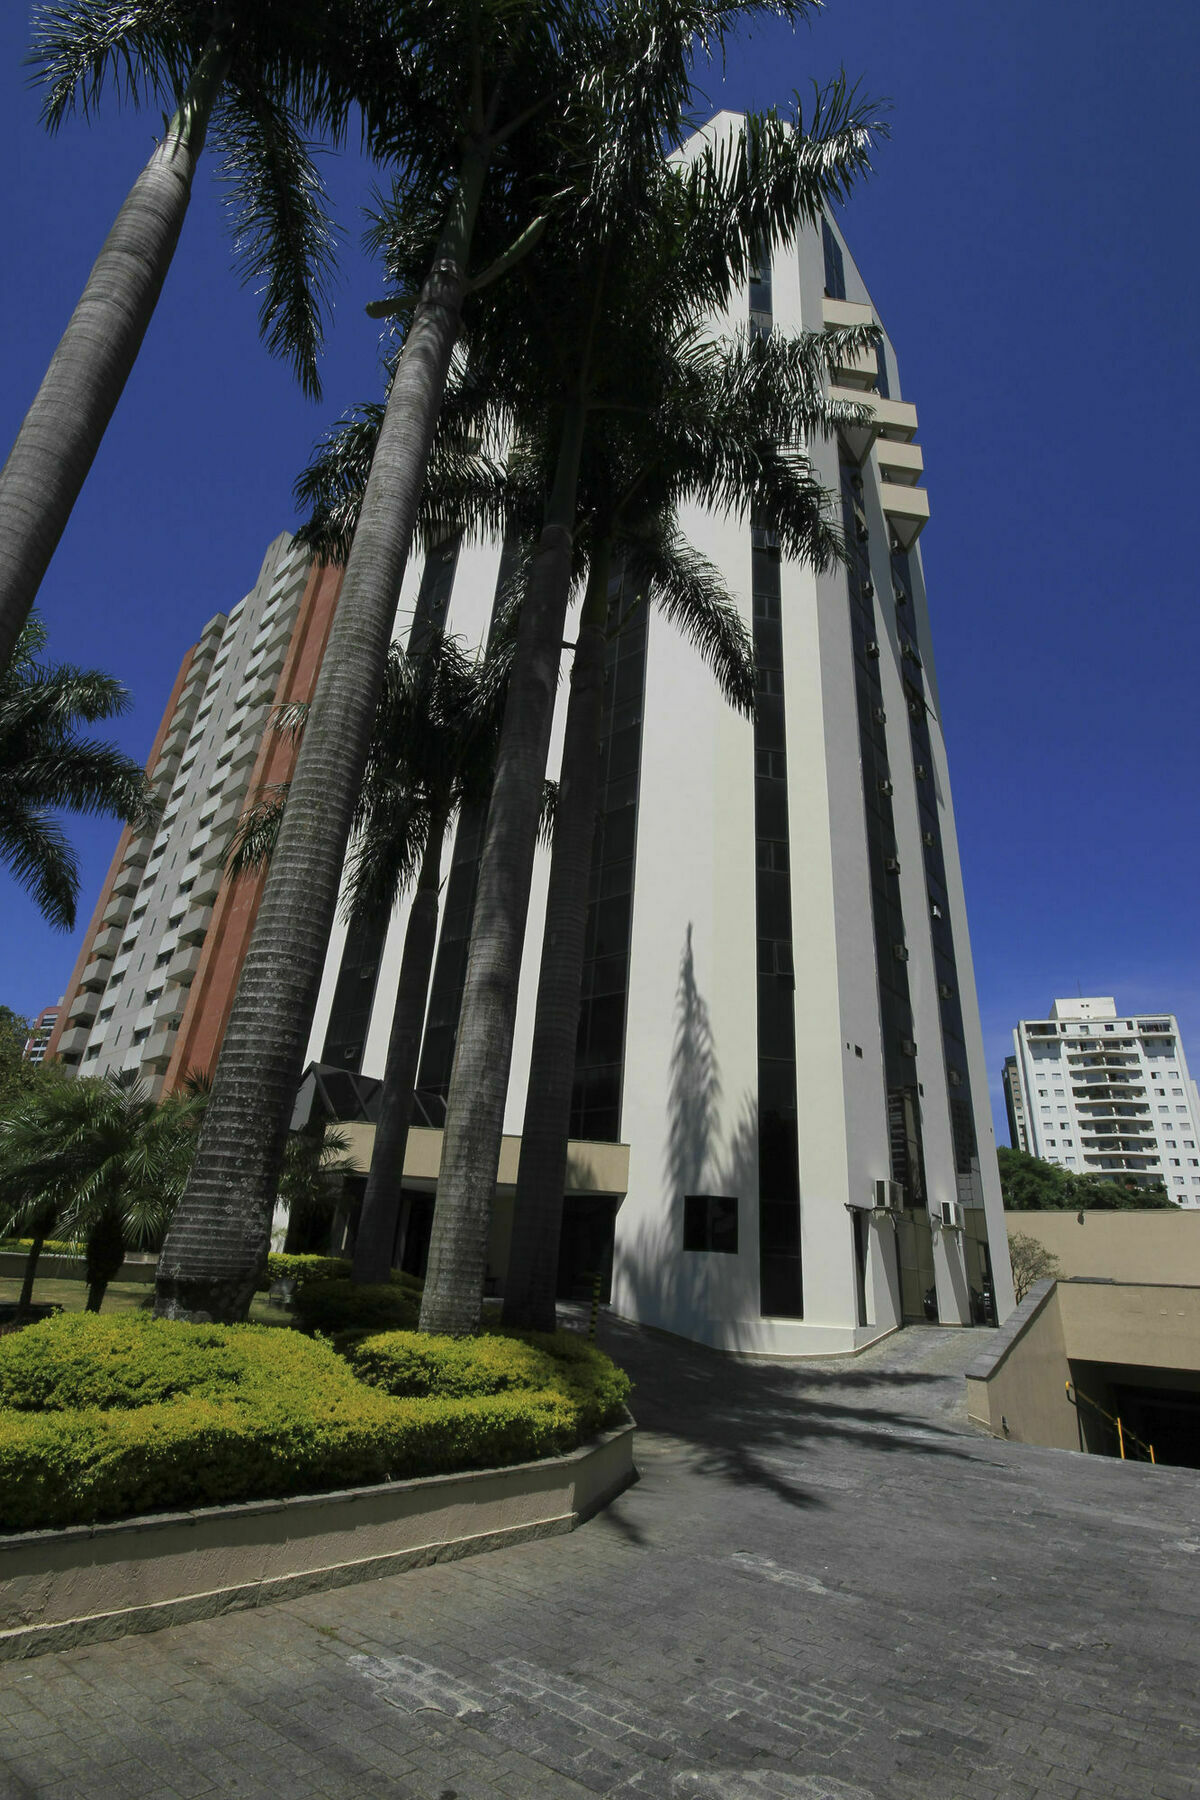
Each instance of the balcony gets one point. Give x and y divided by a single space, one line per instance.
107 942
206 887
901 465
73 1043
95 975
127 883
83 1010
156 1051
183 965
247 748
889 418
117 910
195 925
906 510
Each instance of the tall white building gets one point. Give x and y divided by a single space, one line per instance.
781 1134
1108 1096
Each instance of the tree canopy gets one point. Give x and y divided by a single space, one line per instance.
1031 1185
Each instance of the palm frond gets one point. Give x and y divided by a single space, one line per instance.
41 860
256 835
76 48
690 591
282 234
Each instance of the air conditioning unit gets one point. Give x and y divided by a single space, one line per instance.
872 648
908 1046
945 990
949 1215
892 864
927 839
889 1196
868 589
885 787
935 911
880 716
900 952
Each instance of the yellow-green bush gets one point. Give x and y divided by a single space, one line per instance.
107 1415
409 1363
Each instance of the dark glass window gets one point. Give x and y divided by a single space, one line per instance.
835 268
710 1222
600 1046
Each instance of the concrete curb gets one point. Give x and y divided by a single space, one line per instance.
88 1583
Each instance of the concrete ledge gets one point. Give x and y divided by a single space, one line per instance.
985 1366
92 1582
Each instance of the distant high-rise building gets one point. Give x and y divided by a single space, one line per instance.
156 975
1014 1105
781 1139
40 1033
1106 1096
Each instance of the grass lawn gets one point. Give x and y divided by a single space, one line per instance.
126 1296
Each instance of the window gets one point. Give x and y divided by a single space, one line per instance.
139 1037
103 1017
710 1222
164 957
91 1053
1178 1092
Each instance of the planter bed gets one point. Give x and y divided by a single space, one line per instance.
86 1583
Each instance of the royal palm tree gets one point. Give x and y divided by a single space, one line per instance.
729 431
260 74
47 767
518 112
433 751
671 247
98 1161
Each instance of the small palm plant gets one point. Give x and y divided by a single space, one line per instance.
46 767
101 1163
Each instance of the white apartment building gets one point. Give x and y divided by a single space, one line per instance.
1109 1096
781 1139
145 943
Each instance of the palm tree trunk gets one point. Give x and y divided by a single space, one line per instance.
31 1262
381 1202
453 1295
63 429
104 1254
218 1239
530 1289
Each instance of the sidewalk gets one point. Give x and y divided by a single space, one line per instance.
825 1587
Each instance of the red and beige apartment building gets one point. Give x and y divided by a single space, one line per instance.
158 967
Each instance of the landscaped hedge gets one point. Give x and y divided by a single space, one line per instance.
339 1307
106 1415
410 1363
303 1268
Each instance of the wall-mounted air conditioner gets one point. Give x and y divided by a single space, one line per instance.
889 1196
949 1215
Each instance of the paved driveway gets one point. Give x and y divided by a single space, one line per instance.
825 1587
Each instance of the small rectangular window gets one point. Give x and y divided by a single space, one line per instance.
710 1222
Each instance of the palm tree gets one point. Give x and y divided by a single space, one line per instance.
99 1161
47 767
506 109
670 245
260 76
734 414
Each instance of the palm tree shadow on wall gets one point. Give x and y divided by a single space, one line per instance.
654 1278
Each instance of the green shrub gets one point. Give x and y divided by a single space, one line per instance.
301 1269
342 1306
407 1363
139 1415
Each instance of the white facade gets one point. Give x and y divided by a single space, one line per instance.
800 1037
147 944
1110 1096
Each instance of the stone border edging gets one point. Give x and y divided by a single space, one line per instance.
87 1583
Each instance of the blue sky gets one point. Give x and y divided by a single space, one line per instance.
1030 240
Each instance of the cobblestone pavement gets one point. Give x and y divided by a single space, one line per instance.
825 1587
